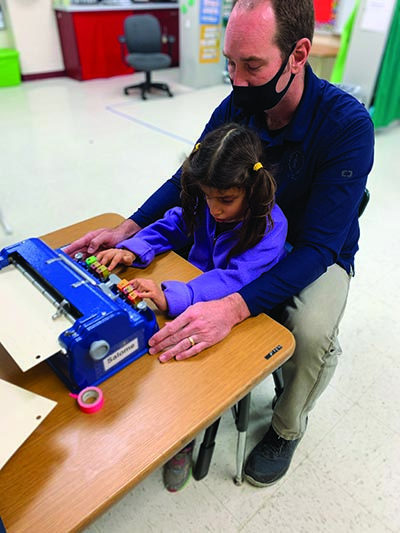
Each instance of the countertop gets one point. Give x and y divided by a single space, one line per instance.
125 6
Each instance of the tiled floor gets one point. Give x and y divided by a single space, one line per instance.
71 150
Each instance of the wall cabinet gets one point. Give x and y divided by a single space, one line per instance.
89 40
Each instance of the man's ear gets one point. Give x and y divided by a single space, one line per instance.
300 55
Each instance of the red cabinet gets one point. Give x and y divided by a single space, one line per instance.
89 40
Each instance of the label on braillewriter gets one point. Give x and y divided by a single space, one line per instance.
114 358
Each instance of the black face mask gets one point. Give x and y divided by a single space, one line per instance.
255 99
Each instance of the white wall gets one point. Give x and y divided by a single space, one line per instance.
5 41
34 31
344 8
367 45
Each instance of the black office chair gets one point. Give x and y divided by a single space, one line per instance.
241 414
143 41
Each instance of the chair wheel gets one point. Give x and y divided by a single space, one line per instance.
126 91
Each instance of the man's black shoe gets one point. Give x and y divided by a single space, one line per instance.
270 459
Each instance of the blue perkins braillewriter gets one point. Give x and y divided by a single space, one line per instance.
110 325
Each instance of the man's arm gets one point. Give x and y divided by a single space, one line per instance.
164 198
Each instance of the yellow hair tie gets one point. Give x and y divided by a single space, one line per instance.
257 166
197 147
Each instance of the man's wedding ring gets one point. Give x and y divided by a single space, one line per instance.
191 340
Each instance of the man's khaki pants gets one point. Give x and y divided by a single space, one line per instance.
313 316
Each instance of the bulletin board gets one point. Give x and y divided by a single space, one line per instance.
325 14
210 31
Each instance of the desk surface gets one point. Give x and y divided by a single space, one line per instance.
74 466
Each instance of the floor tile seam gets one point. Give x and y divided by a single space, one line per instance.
243 524
372 348
378 517
215 495
356 404
357 399
150 126
377 298
332 428
276 488
364 387
384 371
377 418
310 458
349 398
272 489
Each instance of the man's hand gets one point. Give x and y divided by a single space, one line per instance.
202 325
147 288
102 239
115 256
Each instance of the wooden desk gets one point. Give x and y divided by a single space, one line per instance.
74 466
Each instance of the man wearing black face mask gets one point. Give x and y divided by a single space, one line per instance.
322 141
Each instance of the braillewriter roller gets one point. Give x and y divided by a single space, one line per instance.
109 325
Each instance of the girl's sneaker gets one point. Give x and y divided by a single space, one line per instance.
177 470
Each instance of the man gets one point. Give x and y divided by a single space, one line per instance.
321 140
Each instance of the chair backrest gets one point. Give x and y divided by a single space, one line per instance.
364 202
142 34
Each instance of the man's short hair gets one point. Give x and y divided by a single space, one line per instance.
294 20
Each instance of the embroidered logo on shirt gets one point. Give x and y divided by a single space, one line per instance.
296 162
347 173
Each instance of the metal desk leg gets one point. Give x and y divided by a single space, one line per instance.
205 452
278 381
242 423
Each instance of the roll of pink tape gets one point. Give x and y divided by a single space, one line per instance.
90 400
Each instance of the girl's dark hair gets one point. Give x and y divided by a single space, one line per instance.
224 159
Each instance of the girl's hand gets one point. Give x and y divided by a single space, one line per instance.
114 256
147 288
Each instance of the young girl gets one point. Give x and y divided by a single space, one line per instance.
228 210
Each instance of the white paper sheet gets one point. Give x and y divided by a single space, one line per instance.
21 412
27 330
